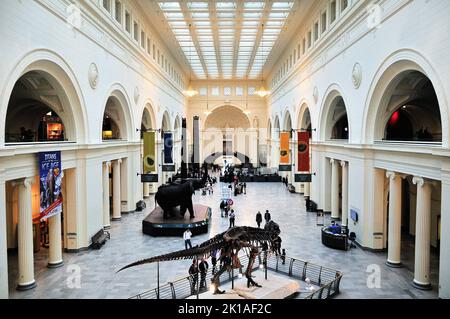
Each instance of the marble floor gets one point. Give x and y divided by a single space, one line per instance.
92 273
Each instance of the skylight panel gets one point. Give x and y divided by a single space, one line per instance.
282 5
225 23
200 15
197 5
225 5
251 15
174 15
169 6
253 5
226 15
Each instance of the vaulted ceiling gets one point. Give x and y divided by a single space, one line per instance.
218 39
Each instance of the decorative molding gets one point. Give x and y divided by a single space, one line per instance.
93 75
316 94
357 75
137 95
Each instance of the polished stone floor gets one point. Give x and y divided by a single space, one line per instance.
92 273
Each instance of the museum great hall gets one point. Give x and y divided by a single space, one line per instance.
91 91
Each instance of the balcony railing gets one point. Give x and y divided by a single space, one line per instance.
327 280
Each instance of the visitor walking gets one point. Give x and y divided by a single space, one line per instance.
223 204
193 272
187 238
267 216
259 219
214 260
232 217
277 245
244 187
203 268
283 257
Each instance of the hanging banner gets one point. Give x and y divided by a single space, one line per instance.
149 156
303 151
284 148
168 148
50 178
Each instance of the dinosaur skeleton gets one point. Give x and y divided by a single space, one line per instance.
229 243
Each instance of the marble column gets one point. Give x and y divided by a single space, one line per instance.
423 235
395 218
334 189
146 190
55 242
117 201
306 189
26 258
4 289
344 193
106 206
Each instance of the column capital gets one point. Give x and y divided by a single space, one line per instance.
392 175
332 161
108 163
26 182
343 163
422 181
119 161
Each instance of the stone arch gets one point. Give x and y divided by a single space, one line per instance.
148 118
117 108
304 120
287 122
383 83
333 116
233 107
61 79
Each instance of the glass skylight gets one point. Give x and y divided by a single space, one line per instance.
226 30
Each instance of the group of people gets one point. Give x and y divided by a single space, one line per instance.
201 268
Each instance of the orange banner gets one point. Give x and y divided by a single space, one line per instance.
284 147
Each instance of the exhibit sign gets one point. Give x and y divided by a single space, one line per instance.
50 178
149 178
303 178
149 156
303 151
168 148
284 148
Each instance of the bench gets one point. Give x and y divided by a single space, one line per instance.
99 239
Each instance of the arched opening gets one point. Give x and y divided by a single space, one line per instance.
38 110
337 122
412 110
288 123
114 126
226 132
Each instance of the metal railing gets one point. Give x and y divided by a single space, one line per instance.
327 279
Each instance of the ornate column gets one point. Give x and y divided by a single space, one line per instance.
395 218
423 235
26 259
106 207
344 193
117 202
55 242
334 189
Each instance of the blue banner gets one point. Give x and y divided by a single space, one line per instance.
50 179
168 148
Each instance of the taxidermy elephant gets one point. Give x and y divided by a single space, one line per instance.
180 194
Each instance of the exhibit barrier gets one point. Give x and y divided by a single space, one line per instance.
327 279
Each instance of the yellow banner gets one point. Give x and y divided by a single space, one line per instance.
149 152
284 148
